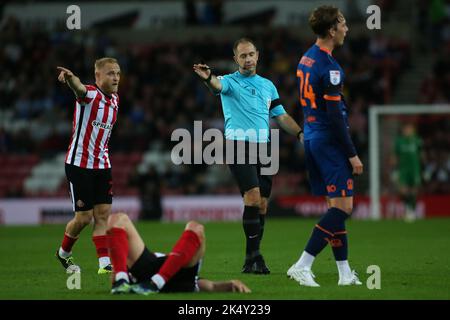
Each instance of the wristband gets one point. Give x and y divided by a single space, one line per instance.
299 133
208 80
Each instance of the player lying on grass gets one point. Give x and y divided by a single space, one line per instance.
138 270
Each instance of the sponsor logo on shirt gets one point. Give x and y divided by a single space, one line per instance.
101 125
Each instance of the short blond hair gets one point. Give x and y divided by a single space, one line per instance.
100 63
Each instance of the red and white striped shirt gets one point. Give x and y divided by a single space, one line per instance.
93 119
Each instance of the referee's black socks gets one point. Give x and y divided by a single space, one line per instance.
262 222
252 229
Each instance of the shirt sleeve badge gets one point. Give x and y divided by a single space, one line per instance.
335 77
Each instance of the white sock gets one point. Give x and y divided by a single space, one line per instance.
64 254
343 268
306 260
159 281
121 275
103 262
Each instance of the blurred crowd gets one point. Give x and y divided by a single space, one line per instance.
434 132
433 29
159 92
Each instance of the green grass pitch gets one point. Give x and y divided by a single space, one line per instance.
414 260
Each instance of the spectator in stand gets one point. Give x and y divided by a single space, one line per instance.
26 56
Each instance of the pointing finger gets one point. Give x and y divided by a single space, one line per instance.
62 69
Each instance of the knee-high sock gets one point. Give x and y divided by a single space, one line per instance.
252 229
101 245
181 254
324 231
339 242
118 249
262 222
67 244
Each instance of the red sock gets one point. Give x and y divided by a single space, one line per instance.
181 254
118 249
101 245
68 242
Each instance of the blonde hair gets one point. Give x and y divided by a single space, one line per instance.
100 63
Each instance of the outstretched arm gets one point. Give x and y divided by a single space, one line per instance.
289 125
210 80
67 76
223 286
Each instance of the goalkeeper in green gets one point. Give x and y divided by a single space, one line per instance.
407 159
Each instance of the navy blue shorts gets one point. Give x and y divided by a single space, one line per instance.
329 170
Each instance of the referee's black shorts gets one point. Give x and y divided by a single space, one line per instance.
89 187
248 175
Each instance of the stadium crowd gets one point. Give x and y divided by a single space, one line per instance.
433 24
436 165
160 93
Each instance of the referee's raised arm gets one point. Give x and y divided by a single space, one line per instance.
210 80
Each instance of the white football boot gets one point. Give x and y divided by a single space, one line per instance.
349 280
304 276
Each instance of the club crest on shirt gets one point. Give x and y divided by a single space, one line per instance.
335 77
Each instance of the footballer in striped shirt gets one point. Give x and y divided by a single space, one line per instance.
87 164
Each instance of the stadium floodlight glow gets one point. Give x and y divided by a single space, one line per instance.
374 143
